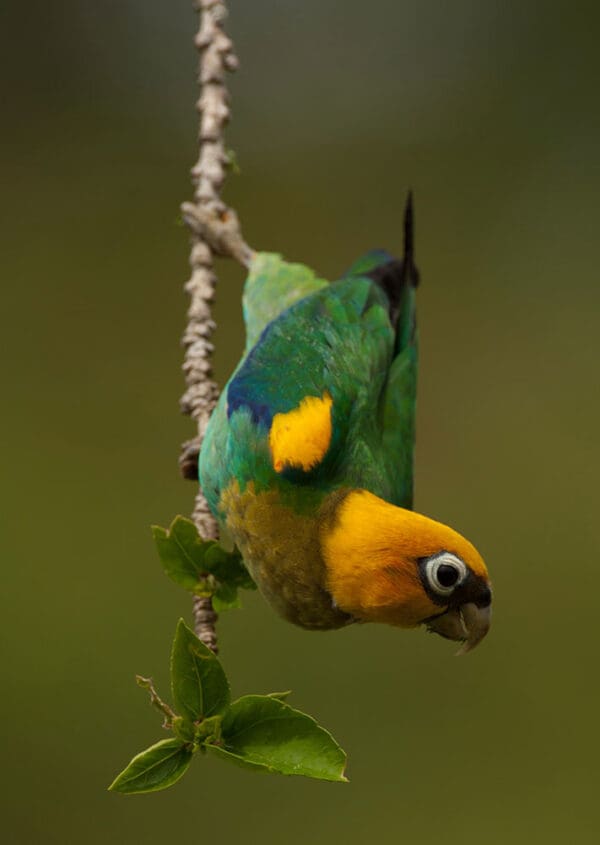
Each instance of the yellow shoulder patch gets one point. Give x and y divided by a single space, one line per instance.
300 438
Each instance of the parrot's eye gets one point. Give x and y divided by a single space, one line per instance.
445 572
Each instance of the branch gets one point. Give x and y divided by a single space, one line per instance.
156 701
215 231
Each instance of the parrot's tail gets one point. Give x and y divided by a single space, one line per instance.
398 277
411 274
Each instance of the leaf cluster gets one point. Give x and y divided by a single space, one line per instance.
259 732
203 567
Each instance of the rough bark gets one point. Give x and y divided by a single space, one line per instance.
215 231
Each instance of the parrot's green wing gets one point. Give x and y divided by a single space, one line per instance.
271 287
351 343
398 280
336 342
399 424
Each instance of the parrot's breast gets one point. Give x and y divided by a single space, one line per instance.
281 549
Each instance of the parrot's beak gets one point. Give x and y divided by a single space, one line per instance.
467 623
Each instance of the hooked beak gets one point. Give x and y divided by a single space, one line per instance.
467 623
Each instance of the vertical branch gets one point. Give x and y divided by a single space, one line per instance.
215 231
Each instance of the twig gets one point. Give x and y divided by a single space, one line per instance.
215 231
156 701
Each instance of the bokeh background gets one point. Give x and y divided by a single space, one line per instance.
489 111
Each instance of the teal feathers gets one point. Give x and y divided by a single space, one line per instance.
307 460
354 339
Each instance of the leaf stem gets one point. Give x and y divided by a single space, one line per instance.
156 701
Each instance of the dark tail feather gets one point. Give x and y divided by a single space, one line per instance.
395 275
410 272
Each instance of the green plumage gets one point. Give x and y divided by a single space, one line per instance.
354 339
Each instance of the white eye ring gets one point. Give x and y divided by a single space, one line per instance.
432 568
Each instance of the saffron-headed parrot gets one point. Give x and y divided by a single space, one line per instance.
307 461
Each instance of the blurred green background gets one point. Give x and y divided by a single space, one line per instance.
489 112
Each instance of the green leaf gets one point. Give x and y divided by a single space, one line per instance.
245 580
190 561
157 767
198 682
218 560
237 759
181 552
263 733
228 567
225 598
208 731
183 729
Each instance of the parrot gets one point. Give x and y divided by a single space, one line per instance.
307 459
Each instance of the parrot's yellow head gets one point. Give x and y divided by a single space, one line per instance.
388 564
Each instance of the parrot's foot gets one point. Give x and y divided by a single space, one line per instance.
188 459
